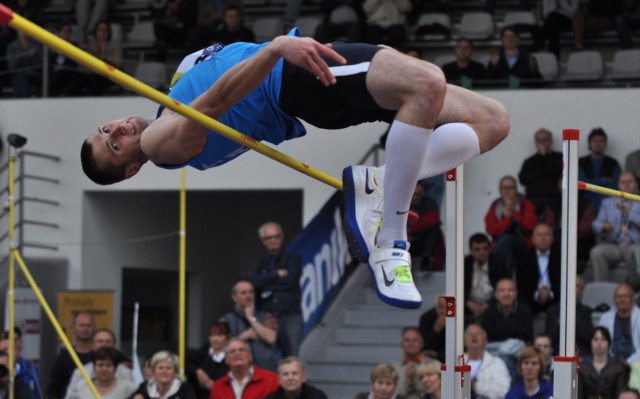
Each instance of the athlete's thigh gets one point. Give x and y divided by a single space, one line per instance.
394 77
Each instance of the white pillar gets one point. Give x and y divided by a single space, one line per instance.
455 379
565 365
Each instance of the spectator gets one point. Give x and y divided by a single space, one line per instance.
538 274
425 236
598 168
233 29
276 279
384 380
258 329
20 388
209 364
109 51
629 393
601 376
209 20
623 323
632 163
627 21
618 226
511 59
597 16
508 323
84 325
490 378
102 338
105 380
343 19
386 21
431 379
544 344
531 369
464 67
481 274
293 382
432 328
24 59
25 370
510 221
584 322
540 174
433 186
558 17
88 13
165 382
173 27
66 77
244 379
408 383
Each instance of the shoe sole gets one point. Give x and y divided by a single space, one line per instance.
399 303
355 241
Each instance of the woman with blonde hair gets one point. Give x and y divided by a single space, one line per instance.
164 384
430 379
531 368
384 381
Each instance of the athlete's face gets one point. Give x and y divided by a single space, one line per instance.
118 142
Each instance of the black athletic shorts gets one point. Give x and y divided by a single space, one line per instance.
346 103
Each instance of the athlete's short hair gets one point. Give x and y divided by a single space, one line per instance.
108 175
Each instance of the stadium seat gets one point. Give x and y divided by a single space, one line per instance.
443 60
308 25
433 26
626 65
142 34
597 293
153 73
267 28
547 65
584 66
476 25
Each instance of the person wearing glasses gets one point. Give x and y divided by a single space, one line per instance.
276 279
245 379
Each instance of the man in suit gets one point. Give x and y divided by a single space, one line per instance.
538 275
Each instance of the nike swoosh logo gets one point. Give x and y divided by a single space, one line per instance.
367 189
402 212
387 282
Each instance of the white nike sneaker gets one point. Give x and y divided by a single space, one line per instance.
391 270
362 199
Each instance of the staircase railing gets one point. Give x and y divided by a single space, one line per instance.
22 198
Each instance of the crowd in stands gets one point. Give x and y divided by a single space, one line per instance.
183 26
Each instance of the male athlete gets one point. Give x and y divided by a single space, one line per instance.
262 90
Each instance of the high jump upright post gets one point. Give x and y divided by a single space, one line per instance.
455 381
566 364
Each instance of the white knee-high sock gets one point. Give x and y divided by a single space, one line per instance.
450 145
405 153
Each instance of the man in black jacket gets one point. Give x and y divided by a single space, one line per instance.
276 279
292 377
538 274
541 173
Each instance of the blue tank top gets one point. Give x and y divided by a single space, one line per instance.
258 115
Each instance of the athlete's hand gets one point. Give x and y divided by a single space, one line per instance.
308 54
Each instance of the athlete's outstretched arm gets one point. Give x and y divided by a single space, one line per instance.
173 138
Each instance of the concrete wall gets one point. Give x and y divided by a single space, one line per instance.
58 126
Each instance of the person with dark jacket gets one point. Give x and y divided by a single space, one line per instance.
292 377
601 376
276 280
511 59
